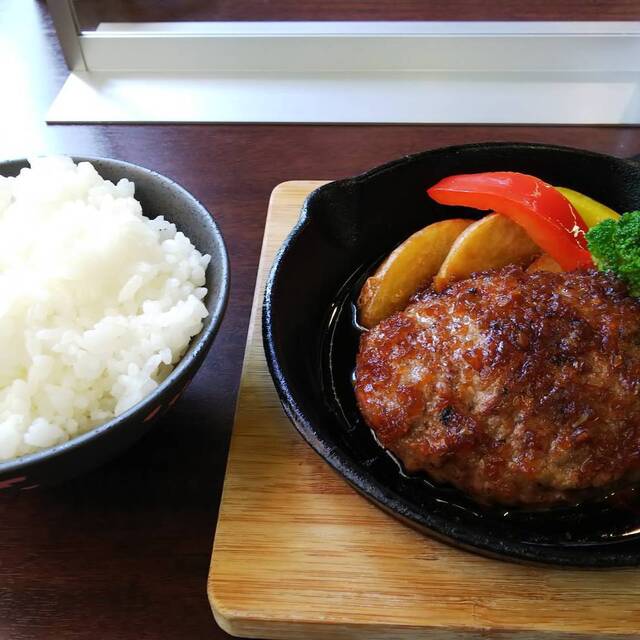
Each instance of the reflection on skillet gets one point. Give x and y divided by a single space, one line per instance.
614 518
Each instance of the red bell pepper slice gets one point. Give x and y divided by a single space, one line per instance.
545 214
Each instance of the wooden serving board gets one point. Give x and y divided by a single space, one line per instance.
299 554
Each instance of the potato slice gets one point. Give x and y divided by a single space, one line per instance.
409 266
491 242
545 263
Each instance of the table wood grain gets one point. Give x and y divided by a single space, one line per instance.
124 551
92 12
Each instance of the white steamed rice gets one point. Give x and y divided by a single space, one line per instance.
97 302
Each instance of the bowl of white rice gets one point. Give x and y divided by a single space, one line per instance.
113 282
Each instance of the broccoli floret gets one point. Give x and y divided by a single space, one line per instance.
602 244
615 246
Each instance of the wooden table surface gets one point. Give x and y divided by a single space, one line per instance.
91 12
124 551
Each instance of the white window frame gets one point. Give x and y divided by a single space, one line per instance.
388 72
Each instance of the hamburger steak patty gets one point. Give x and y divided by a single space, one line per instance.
518 388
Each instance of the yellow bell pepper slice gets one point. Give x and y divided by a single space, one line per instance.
590 210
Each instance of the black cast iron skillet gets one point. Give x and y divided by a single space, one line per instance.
310 339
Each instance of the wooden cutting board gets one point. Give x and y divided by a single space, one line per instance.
299 554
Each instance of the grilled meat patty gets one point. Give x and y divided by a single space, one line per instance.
518 388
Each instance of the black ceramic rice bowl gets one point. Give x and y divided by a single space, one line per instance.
311 340
159 196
